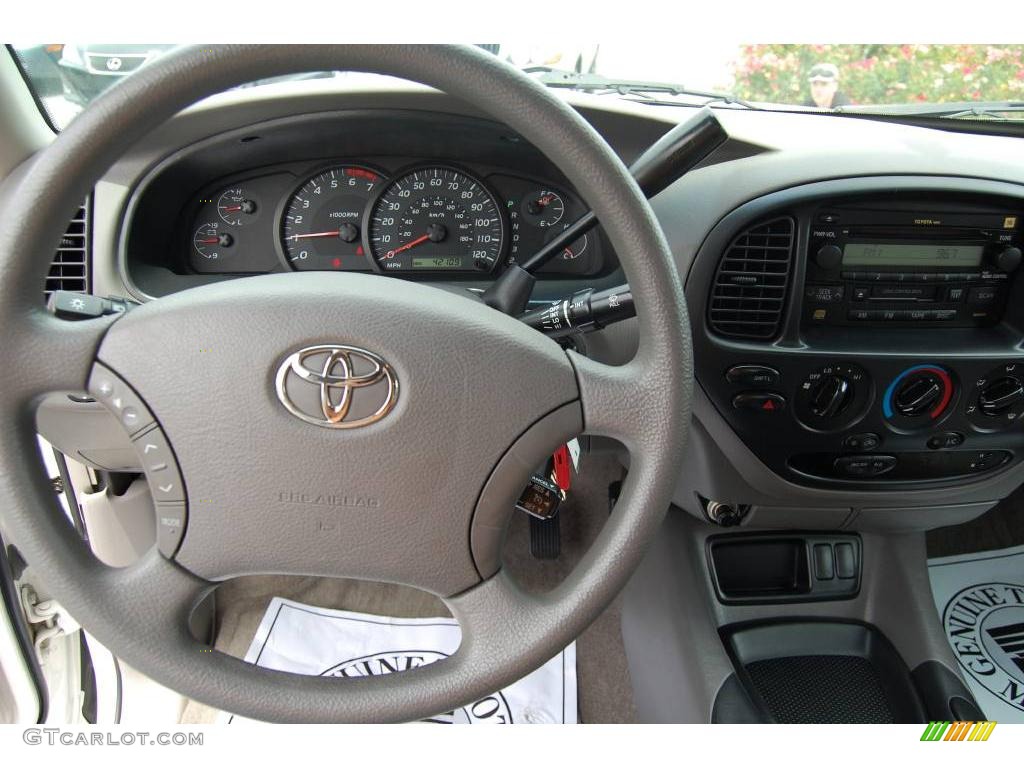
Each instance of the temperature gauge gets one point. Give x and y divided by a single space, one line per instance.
235 207
543 208
571 252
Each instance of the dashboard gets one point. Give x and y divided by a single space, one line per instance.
352 194
854 287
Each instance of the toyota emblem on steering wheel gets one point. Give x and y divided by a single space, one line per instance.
336 386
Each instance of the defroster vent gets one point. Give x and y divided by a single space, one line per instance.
69 270
749 292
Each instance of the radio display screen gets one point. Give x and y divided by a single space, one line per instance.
911 255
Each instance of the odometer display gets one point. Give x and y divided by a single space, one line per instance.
437 262
435 218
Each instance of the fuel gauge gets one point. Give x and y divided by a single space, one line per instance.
543 208
236 207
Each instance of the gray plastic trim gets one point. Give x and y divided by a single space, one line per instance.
670 617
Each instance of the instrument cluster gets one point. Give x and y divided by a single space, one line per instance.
426 219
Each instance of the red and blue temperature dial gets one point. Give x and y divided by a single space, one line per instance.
919 396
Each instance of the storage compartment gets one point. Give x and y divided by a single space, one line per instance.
779 568
823 672
760 568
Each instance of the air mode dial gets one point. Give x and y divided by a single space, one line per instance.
997 399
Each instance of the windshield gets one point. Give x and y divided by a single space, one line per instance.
964 81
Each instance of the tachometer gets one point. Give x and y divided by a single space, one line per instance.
320 228
436 219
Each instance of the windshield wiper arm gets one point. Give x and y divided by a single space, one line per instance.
599 84
959 109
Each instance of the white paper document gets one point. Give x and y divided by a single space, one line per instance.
980 598
299 638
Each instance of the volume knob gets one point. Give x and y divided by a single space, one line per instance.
830 256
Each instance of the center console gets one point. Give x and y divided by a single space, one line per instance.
870 339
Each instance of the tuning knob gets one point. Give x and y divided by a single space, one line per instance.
1001 395
917 395
831 396
1008 259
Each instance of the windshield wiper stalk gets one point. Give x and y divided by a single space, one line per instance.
674 154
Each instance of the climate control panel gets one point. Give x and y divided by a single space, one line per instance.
870 420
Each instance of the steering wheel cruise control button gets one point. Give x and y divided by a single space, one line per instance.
110 390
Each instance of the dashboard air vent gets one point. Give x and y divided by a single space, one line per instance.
750 285
69 270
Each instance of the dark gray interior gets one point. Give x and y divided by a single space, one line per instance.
793 488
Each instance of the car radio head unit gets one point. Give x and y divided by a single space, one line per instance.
909 267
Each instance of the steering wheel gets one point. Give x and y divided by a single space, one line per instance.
420 494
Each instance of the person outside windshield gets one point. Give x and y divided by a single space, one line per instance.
825 93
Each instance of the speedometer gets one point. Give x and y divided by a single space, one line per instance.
435 219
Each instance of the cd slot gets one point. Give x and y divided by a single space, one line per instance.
902 292
902 235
